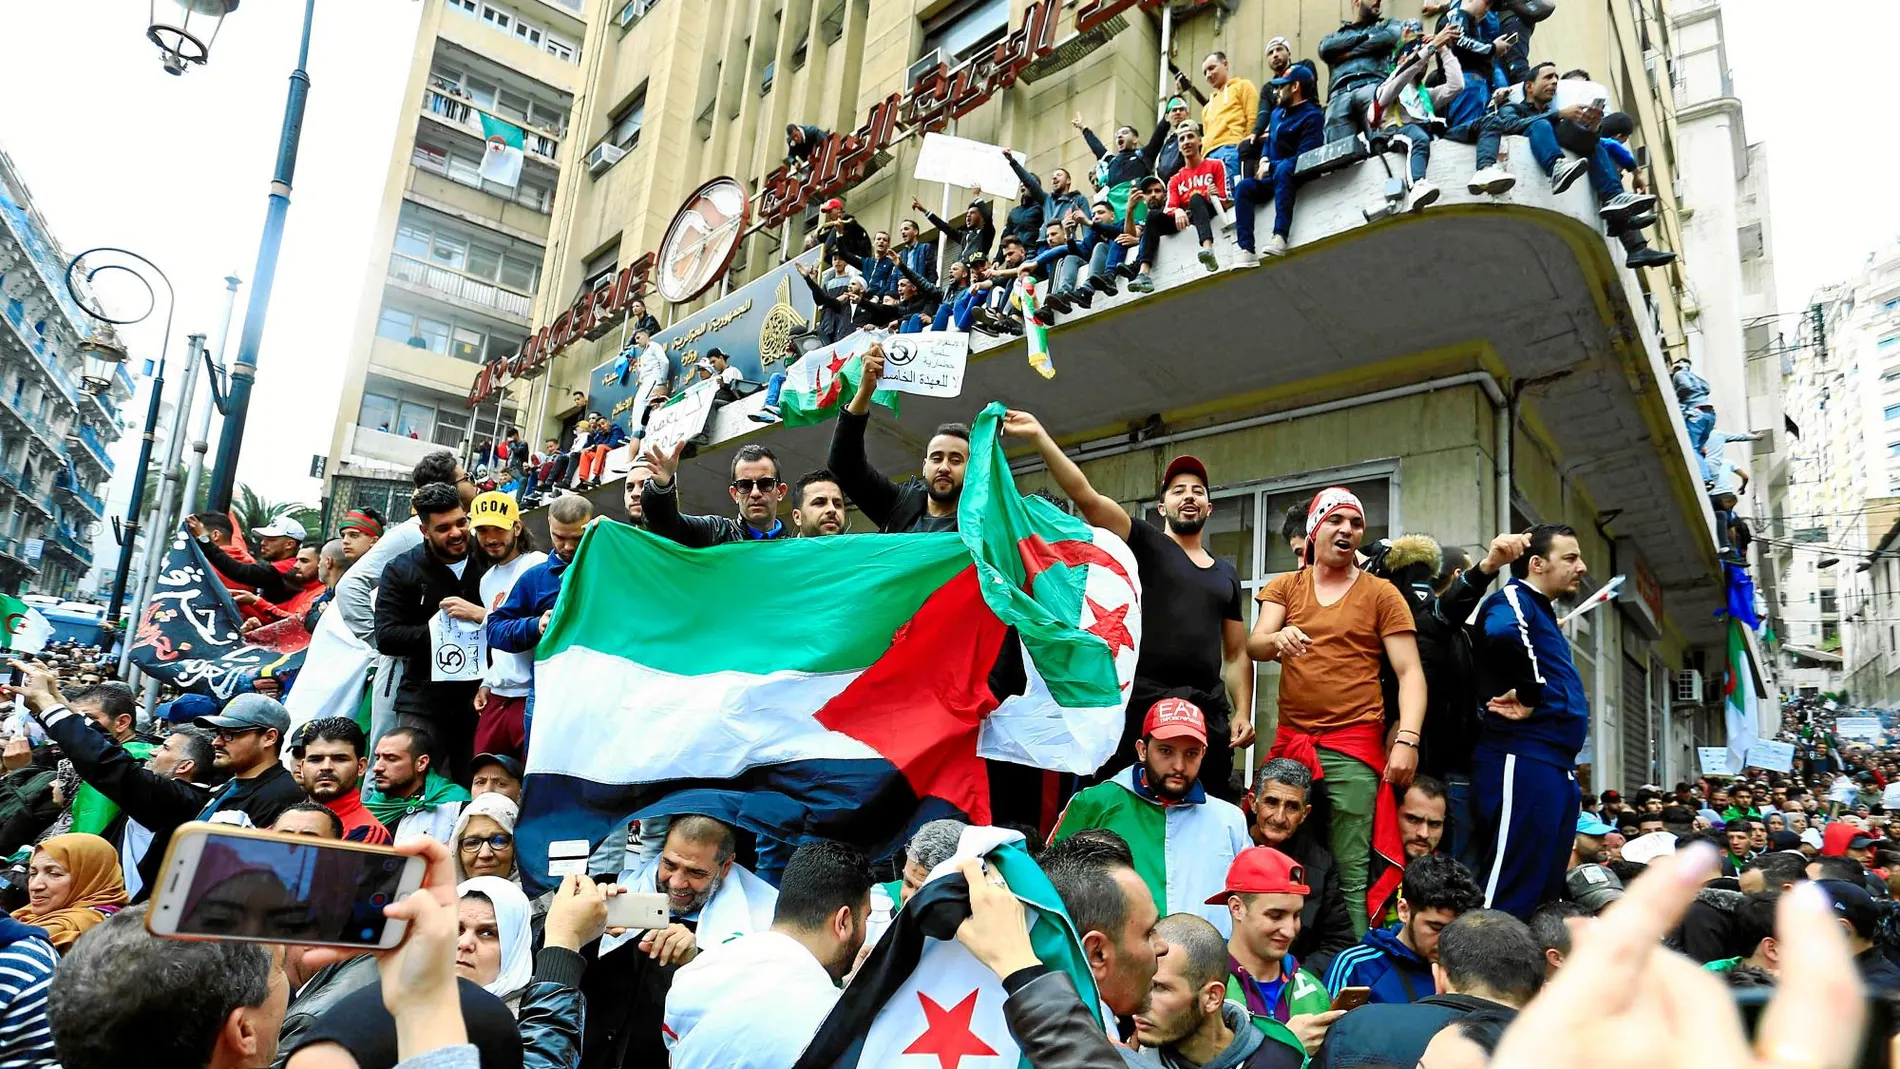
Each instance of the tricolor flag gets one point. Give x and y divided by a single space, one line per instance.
921 998
1740 709
1035 335
22 628
1602 595
501 161
832 687
823 381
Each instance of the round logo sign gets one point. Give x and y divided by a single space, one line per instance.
701 240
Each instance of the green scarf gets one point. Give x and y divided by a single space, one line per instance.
436 790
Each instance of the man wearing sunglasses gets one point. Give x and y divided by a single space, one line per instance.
756 489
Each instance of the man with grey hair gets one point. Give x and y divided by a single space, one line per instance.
216 1005
933 844
1279 806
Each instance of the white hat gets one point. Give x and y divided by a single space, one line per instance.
1645 849
1812 837
281 527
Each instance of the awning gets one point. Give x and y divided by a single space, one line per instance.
1813 654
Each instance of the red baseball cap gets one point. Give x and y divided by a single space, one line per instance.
1184 463
1262 870
835 202
1175 718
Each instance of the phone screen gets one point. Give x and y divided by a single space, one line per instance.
289 891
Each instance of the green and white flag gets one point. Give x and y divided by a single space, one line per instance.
22 628
824 381
501 161
1034 333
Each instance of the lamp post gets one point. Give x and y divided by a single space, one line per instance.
101 348
181 40
244 369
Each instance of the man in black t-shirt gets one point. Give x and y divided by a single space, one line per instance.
1193 640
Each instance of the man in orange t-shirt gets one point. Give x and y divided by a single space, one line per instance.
1330 625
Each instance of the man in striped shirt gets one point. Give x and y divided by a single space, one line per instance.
27 962
331 764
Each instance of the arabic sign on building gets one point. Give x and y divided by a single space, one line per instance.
753 325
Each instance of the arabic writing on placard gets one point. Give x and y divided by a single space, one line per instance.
1713 760
929 363
683 417
1772 756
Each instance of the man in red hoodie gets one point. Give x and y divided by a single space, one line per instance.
1196 193
331 763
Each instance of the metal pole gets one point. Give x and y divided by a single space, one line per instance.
244 370
129 533
162 521
1167 52
201 438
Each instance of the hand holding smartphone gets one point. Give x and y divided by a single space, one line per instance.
1351 998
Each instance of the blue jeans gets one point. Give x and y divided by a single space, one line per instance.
1470 104
773 387
1106 257
1229 156
1700 421
1256 191
1605 180
1419 148
1064 275
912 325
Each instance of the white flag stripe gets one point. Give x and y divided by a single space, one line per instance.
947 975
607 719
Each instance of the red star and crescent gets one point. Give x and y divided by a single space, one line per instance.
947 1033
1111 626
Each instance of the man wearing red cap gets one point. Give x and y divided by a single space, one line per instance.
1331 626
1263 894
842 234
1193 640
1181 838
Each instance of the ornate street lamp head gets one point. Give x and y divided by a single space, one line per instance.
184 30
102 350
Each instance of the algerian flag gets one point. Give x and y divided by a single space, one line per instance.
866 712
501 162
1034 333
1739 707
24 630
922 1001
824 380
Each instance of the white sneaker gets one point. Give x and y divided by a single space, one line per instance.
1275 247
1624 205
1246 258
1420 196
1566 173
1492 179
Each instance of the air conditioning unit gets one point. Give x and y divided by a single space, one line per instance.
1688 687
632 12
603 156
925 66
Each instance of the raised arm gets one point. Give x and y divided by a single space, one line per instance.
1094 506
1035 187
868 488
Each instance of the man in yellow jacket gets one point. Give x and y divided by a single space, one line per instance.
1228 117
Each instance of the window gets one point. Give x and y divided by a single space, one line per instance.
450 428
449 251
528 33
396 325
413 420
467 344
519 274
1891 412
482 93
1891 305
964 27
378 413
1893 449
560 49
412 241
599 268
534 195
466 170
430 334
1887 345
512 105
468 6
496 17
626 125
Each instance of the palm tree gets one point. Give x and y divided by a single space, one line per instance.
253 510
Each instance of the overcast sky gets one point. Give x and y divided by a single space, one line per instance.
117 152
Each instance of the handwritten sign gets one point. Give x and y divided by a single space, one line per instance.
928 363
1890 798
960 161
1858 727
1772 756
1842 790
682 417
1713 759
459 649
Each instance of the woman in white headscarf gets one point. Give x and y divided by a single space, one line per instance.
495 949
483 841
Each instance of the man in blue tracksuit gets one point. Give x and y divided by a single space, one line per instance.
1523 780
1396 963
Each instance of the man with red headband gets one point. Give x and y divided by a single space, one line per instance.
1330 625
359 530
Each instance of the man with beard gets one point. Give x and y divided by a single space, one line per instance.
1332 626
921 505
818 505
440 575
516 625
332 761
1190 1022
501 701
284 572
1280 804
756 489
406 794
1182 840
1422 812
1264 894
1193 642
709 901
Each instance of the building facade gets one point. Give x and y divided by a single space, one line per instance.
1528 384
54 434
456 256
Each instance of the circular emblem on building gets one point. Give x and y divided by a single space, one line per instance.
701 240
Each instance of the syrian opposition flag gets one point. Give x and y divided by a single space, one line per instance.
22 628
827 687
824 380
921 1000
501 160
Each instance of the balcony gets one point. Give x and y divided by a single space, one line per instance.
369 447
459 111
69 544
461 287
78 496
14 406
31 493
92 449
41 349
13 554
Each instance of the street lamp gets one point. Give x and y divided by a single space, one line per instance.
103 353
178 40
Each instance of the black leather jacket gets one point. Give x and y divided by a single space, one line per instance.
411 592
1050 1024
553 1013
1358 53
664 518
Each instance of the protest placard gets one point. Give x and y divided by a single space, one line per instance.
1713 759
682 417
960 161
928 363
1771 756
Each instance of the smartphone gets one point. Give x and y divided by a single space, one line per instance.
644 911
1351 998
225 882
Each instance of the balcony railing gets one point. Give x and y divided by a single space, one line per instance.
31 493
449 281
69 543
13 404
88 500
463 112
13 550
16 314
94 450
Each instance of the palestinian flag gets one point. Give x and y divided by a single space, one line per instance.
22 628
501 160
824 380
834 687
922 998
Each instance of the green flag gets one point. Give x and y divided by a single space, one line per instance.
25 630
824 380
501 161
